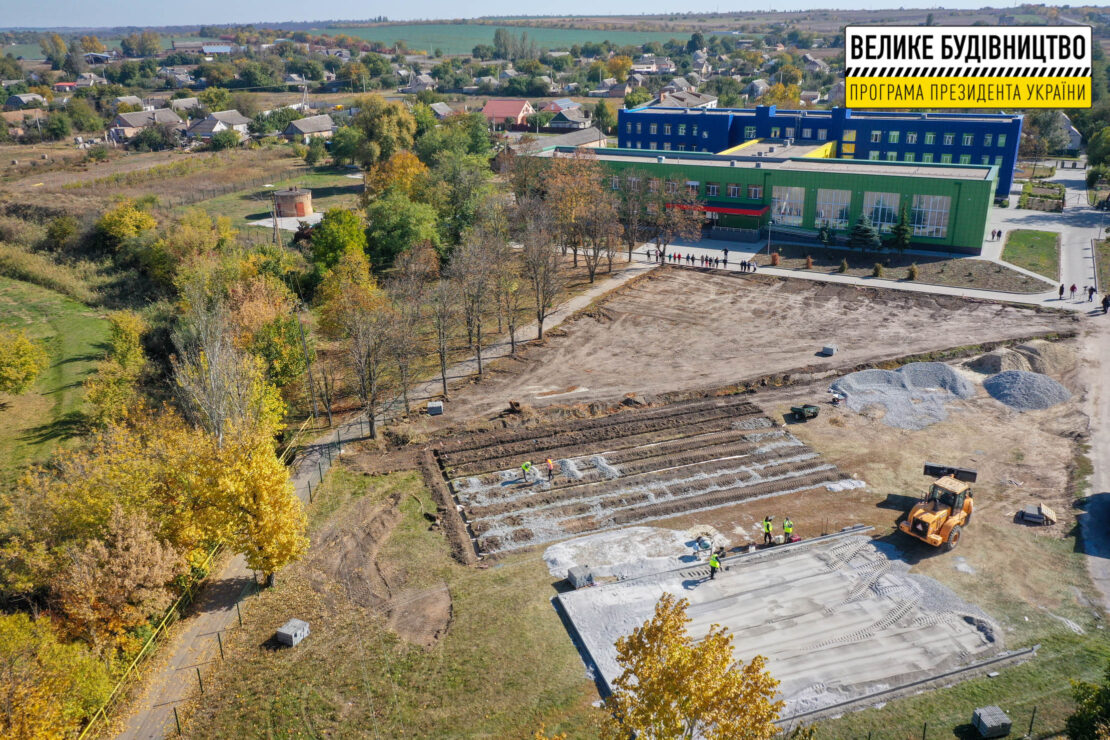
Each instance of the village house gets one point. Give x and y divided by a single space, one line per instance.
24 100
126 125
757 88
420 83
303 130
507 113
561 104
134 101
442 111
812 64
571 119
678 84
224 120
88 79
180 105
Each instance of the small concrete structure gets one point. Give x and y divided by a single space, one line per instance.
293 203
292 632
991 722
580 576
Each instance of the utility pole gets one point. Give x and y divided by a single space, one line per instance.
274 211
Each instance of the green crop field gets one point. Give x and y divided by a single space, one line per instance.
460 38
33 51
33 423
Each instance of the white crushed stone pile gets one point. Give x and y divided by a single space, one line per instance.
914 396
623 553
836 620
1026 391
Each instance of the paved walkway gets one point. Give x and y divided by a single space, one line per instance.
1095 537
196 645
740 252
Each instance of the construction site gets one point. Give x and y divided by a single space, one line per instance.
681 412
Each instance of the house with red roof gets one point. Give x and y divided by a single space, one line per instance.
506 113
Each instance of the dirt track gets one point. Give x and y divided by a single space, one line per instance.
679 329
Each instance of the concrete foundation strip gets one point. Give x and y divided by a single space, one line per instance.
1007 658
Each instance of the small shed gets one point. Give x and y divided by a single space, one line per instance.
292 632
293 203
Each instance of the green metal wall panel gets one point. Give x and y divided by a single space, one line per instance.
969 210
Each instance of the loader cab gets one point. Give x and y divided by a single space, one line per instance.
948 493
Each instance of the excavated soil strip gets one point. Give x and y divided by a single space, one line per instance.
750 467
657 456
483 440
575 444
458 535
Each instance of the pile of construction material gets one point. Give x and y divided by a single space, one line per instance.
1026 391
914 396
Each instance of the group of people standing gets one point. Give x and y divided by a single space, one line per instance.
1090 291
700 260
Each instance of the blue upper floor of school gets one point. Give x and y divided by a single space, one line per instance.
930 138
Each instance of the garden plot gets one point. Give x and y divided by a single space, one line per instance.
837 619
626 468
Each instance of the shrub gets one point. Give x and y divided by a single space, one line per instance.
98 153
222 140
775 259
17 231
299 150
39 269
911 273
843 266
809 262
877 270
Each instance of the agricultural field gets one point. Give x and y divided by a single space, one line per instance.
461 38
31 425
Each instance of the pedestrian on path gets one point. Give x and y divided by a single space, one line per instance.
767 527
526 468
1073 291
1061 292
1105 303
1090 294
714 566
725 258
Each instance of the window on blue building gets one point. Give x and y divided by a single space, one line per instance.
1002 139
909 156
651 145
681 147
930 215
789 133
653 128
876 137
998 161
965 159
849 135
911 137
949 139
775 131
822 134
666 129
930 138
666 146
986 159
628 127
892 137
927 157
639 127
892 156
807 133
749 132
969 139
682 129
874 155
946 159
987 139
694 129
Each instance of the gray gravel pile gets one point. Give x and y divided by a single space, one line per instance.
914 395
1026 391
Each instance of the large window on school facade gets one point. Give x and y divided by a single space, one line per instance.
882 209
787 205
930 215
832 208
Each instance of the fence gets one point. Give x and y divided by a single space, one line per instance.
942 731
172 614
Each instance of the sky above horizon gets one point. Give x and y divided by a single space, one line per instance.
67 13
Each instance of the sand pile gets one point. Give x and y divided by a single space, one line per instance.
1026 391
913 396
998 361
1049 358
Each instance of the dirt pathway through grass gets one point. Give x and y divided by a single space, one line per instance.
196 645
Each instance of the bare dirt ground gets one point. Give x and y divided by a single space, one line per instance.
344 567
677 330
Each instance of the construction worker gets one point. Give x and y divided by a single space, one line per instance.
550 470
767 529
714 566
526 468
787 529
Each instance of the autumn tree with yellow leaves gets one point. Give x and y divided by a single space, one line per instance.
113 391
22 360
673 686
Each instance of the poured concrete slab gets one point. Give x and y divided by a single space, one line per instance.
837 619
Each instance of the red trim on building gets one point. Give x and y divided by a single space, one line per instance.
722 209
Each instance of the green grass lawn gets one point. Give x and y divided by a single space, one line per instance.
504 666
32 424
331 188
1038 251
1103 257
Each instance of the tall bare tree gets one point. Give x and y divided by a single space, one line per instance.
599 231
632 211
540 258
573 185
407 287
443 299
471 271
674 213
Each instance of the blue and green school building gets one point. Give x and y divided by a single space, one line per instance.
795 186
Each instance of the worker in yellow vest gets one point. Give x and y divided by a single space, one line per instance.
767 527
714 566
787 528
